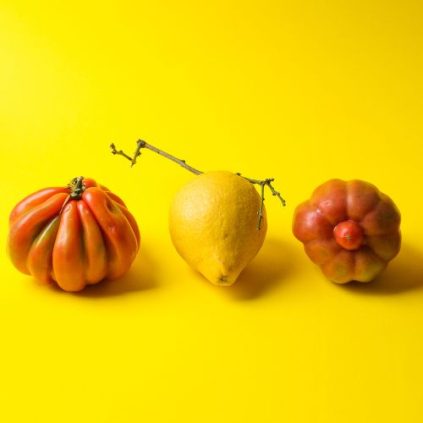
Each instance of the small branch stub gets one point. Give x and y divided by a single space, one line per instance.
262 183
77 187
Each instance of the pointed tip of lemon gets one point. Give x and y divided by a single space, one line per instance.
222 280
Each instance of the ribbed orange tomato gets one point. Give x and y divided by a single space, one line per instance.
350 229
76 235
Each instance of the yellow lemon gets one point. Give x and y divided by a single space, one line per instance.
213 225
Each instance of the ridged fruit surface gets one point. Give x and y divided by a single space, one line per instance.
350 229
73 236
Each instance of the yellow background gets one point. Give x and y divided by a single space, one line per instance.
302 91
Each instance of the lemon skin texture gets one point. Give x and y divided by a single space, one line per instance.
213 223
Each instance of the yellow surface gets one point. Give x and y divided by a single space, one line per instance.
301 91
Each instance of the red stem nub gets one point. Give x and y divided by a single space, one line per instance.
349 235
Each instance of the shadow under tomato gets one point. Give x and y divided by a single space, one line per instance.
272 265
140 277
403 273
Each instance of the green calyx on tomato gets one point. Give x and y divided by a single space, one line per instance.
77 187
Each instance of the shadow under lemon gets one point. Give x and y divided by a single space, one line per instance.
403 273
140 277
267 270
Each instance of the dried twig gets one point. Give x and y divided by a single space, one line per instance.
143 144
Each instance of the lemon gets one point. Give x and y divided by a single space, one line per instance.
213 225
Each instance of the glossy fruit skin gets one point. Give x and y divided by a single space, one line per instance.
73 240
350 229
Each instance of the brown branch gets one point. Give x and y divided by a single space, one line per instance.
143 144
260 212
